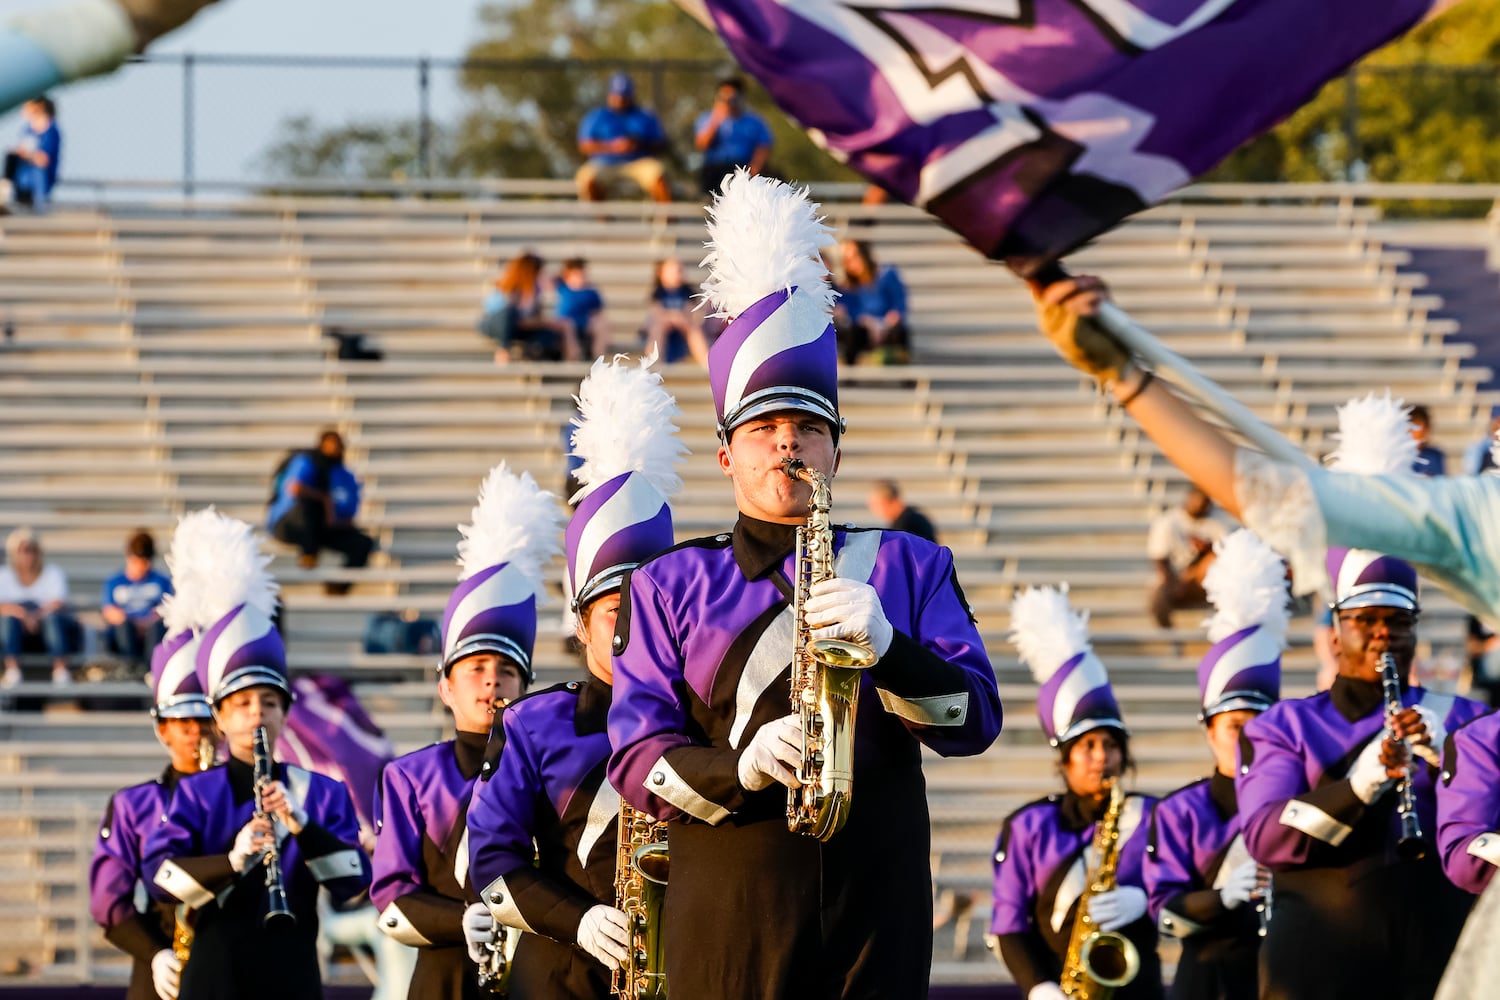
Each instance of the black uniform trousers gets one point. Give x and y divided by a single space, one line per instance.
306 526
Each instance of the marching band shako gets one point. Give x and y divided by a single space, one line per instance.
1247 587
1053 641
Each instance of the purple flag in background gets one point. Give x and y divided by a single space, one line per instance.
1031 126
330 732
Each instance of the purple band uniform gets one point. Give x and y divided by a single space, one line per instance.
703 654
187 860
1040 864
1338 885
542 835
1468 804
420 880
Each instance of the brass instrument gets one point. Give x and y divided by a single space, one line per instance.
641 864
494 971
826 675
277 910
182 932
1100 961
1410 845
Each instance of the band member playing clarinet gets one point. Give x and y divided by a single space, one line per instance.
1204 886
704 731
226 845
421 885
542 827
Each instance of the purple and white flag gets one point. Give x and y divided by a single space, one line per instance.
1032 126
329 731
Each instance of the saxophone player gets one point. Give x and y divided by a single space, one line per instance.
702 724
209 851
1203 885
1044 853
420 882
543 823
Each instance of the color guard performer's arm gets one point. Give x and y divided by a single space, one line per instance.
1468 804
113 874
411 912
1013 935
1286 824
176 868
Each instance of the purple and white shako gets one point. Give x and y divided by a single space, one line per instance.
1364 579
1053 641
779 351
504 551
1247 587
626 438
176 691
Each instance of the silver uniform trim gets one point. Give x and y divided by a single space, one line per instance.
182 885
502 905
772 653
1314 822
934 710
461 863
1176 925
339 864
1486 847
604 813
1073 884
395 925
1234 856
667 785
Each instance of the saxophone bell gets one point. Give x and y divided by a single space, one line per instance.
1110 959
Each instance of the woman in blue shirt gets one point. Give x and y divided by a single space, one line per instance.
670 322
870 317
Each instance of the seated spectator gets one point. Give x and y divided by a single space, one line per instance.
581 305
1430 460
515 317
621 141
34 609
1479 456
870 315
672 329
314 507
1181 547
730 136
31 165
130 599
886 505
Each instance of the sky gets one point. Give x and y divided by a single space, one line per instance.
131 124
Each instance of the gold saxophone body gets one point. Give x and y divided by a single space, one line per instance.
826 676
182 931
641 864
1098 961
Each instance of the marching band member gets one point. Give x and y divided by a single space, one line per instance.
547 798
702 725
212 851
1468 804
421 883
184 726
1045 851
1201 880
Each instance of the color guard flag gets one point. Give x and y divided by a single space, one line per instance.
329 731
1032 126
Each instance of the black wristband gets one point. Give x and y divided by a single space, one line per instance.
1147 377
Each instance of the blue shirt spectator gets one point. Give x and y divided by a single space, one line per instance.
31 165
730 136
607 124
1430 460
887 294
314 505
620 141
137 598
580 303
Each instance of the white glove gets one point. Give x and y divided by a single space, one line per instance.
841 608
604 932
247 844
479 931
1367 776
1437 734
1046 991
774 753
1118 907
166 974
1241 885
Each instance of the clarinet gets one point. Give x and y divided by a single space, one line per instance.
277 911
1409 846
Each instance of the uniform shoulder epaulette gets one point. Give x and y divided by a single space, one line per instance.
561 687
1046 800
720 541
1185 788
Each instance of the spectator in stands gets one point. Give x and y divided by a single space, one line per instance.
129 604
31 165
672 329
730 135
34 609
886 505
515 317
621 141
870 316
1181 548
1430 460
580 304
1479 456
316 500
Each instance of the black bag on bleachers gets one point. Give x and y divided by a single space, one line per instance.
389 632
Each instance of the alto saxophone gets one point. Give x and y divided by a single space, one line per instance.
1100 961
826 675
277 910
182 931
641 863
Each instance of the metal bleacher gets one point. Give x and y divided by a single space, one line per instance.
164 355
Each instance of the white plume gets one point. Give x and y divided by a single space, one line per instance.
222 565
1374 437
1046 631
764 237
625 423
1247 586
516 522
192 540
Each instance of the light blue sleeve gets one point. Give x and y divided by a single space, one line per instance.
25 69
